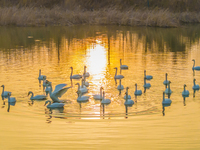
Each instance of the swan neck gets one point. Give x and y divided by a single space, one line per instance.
194 63
120 62
71 71
116 72
39 72
194 83
136 87
3 90
31 94
184 88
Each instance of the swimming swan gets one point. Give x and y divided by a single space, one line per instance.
76 76
120 86
146 85
137 92
185 92
168 90
85 74
126 94
54 105
11 99
41 77
165 82
82 98
82 90
98 96
118 76
4 94
86 83
148 77
195 86
166 101
195 68
37 97
105 101
123 66
128 102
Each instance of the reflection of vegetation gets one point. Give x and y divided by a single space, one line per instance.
154 39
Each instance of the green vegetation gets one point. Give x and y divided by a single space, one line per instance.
160 13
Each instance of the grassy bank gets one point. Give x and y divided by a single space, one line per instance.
113 12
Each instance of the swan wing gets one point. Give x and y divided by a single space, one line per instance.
60 92
59 86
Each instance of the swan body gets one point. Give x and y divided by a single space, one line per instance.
166 82
120 86
60 89
82 98
11 99
85 74
123 66
98 96
185 92
137 92
168 90
54 105
126 94
75 76
41 77
195 86
105 101
81 89
37 97
118 76
146 85
195 67
166 101
5 93
148 77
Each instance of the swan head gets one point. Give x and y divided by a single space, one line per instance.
2 85
48 101
29 93
185 85
194 79
71 67
193 60
115 68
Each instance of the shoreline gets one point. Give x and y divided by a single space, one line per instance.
56 16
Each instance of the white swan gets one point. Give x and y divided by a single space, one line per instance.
137 92
148 77
185 92
105 101
41 76
128 102
82 90
98 96
166 101
123 66
85 74
54 105
195 86
126 94
60 89
195 67
165 82
118 76
11 99
86 83
146 85
37 97
4 94
75 76
120 86
168 90
82 98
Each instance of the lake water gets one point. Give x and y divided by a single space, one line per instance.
145 125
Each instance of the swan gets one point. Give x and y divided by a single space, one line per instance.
168 90
37 97
86 83
166 101
98 96
76 76
4 94
54 105
45 83
60 89
195 67
195 86
11 99
137 92
105 101
146 85
126 94
82 90
120 86
128 102
118 76
41 76
165 82
185 92
82 98
148 77
123 66
85 74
